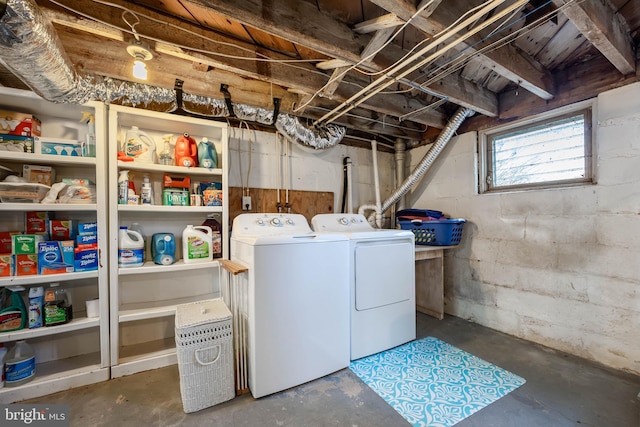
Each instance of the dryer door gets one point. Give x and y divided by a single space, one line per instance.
384 273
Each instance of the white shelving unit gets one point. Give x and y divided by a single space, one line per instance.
76 353
143 299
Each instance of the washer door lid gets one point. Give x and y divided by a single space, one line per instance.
384 273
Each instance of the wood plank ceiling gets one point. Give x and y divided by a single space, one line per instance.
392 68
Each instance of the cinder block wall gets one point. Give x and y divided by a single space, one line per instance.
558 267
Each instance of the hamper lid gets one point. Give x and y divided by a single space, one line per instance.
201 312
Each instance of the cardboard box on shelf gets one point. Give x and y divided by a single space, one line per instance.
16 143
40 174
36 222
5 241
25 264
6 265
61 229
55 257
86 259
23 244
59 147
22 124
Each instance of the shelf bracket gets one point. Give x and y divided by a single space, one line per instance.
227 99
276 110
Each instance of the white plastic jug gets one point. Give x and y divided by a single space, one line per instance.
197 244
139 146
130 248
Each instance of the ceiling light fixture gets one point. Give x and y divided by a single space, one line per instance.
141 52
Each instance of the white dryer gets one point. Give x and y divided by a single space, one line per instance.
298 300
382 282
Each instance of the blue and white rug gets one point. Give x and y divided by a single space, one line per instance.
432 383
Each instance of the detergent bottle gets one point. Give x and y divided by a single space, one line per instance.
130 248
186 151
19 364
139 146
207 154
197 244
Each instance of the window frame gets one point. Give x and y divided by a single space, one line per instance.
484 149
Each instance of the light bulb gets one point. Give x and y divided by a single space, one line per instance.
139 70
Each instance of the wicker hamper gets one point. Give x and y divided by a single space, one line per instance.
205 354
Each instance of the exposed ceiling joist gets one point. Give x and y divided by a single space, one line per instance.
290 20
505 60
597 21
270 72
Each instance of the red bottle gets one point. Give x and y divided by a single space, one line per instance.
186 153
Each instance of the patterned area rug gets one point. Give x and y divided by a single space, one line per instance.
432 383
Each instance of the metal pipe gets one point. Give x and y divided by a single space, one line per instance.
400 155
428 159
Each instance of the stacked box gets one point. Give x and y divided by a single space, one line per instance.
62 229
56 257
211 193
25 264
25 244
7 265
36 223
19 124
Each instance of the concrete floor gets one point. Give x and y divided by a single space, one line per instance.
561 390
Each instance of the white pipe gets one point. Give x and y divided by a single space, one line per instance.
376 183
400 151
349 189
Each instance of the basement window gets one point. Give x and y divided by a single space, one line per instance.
553 150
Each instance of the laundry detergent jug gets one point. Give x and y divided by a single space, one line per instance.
163 248
207 154
186 153
197 244
139 146
130 248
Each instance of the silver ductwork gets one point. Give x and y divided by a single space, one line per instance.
426 162
33 52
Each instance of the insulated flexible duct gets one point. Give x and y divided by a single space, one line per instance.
33 52
428 159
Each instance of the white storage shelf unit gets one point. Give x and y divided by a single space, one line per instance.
143 299
76 353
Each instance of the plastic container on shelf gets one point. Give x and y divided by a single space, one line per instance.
146 192
197 244
19 364
139 146
58 306
207 154
186 151
130 248
135 226
123 187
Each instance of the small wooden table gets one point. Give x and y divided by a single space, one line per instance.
430 280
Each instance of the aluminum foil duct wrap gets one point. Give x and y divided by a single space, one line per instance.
32 51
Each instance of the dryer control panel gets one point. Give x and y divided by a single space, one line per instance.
341 223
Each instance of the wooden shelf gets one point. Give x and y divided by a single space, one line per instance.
166 209
145 356
151 267
78 207
142 311
37 279
74 325
153 167
47 159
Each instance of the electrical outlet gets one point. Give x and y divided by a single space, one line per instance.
246 203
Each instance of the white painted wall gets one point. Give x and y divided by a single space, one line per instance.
558 267
309 169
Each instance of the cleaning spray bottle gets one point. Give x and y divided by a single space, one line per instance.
139 146
90 142
123 187
166 156
207 154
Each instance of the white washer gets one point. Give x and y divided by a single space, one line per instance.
382 277
298 300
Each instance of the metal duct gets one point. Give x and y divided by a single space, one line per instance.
442 140
33 52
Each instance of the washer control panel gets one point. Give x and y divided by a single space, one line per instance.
269 223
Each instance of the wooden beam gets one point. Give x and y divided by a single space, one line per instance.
372 25
280 74
327 36
506 60
598 22
583 81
